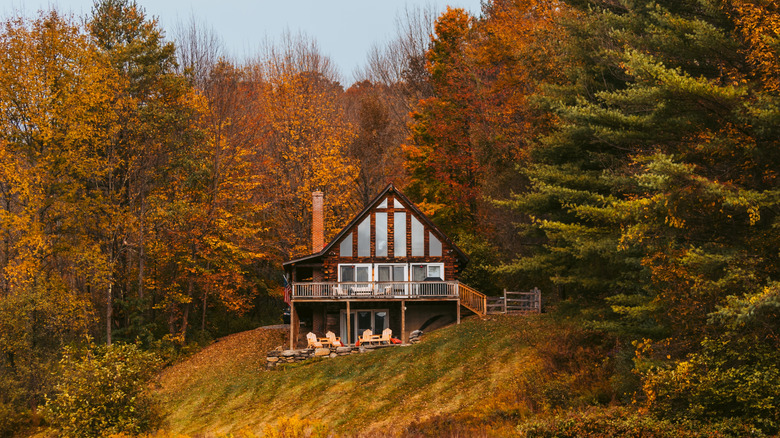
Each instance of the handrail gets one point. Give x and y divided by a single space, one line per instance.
473 300
375 289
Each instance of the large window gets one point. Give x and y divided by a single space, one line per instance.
364 238
399 235
381 234
434 245
345 250
418 238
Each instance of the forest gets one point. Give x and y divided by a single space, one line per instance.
621 155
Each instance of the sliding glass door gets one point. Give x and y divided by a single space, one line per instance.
375 320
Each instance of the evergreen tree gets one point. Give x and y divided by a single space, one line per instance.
660 180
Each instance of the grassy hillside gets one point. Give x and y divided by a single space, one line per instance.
481 375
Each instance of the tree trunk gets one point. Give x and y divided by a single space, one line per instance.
109 311
203 317
141 245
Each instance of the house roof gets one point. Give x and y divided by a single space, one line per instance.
463 258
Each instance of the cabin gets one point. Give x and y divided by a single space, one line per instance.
389 267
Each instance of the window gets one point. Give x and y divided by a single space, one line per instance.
391 272
347 273
345 250
430 270
383 204
354 273
381 234
364 238
397 204
419 272
399 235
434 245
384 273
418 238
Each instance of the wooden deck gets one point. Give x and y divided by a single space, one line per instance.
352 291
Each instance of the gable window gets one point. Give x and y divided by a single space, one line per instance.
418 238
345 249
364 238
383 204
381 234
434 245
397 204
399 235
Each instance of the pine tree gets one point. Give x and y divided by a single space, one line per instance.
660 181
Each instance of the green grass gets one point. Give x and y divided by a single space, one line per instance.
492 371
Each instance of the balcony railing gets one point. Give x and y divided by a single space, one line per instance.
380 289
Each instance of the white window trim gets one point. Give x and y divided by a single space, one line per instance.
358 265
405 266
427 269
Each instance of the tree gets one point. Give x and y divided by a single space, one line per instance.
306 136
104 390
656 182
156 140
376 147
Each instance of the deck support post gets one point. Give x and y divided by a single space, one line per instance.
404 336
457 306
294 325
348 337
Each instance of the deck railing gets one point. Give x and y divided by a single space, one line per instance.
473 300
377 289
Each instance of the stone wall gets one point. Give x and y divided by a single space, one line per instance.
276 357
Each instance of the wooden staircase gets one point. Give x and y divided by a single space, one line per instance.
473 300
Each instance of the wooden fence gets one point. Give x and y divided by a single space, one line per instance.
516 302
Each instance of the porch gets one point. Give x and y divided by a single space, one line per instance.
348 308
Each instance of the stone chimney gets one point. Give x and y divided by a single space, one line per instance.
317 222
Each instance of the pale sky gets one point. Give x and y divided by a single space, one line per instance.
344 29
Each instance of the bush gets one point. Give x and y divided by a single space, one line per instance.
625 423
36 322
294 427
728 379
11 420
104 390
733 376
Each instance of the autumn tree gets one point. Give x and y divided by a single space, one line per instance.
306 135
376 147
399 65
156 142
55 101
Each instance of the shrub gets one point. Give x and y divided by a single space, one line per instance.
734 375
104 390
728 379
625 423
294 427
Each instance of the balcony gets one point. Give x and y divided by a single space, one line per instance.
403 290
